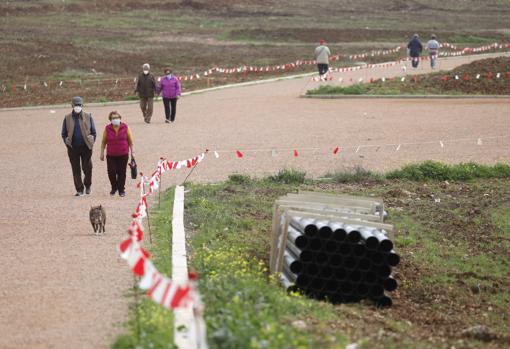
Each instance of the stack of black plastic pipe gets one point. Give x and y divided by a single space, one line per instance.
338 262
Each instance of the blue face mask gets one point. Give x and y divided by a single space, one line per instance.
169 76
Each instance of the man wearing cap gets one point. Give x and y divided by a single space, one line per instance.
322 54
145 87
79 135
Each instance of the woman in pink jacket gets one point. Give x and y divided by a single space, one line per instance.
170 87
117 140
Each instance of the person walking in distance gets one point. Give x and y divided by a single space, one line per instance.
145 88
433 48
414 49
79 135
170 87
322 54
118 141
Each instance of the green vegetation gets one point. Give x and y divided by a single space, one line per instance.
454 253
356 89
356 175
287 176
246 308
433 170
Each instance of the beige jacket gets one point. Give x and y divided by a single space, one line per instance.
84 126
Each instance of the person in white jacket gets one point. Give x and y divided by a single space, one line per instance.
433 48
322 54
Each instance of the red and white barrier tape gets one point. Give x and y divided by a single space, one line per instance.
260 69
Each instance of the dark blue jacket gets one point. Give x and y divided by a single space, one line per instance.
415 47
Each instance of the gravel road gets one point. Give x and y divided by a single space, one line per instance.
64 287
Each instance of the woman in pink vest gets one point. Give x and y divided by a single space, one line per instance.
117 140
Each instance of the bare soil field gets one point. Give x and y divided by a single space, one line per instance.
90 44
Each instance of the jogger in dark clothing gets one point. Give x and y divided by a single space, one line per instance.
170 108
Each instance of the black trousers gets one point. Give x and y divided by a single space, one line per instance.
116 166
415 60
77 155
170 112
323 68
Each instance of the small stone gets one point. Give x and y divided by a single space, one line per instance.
299 324
479 332
352 346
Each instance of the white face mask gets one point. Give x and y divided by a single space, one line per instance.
116 122
77 109
169 76
146 72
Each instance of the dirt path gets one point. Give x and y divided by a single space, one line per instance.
64 287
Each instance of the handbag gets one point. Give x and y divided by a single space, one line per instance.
134 170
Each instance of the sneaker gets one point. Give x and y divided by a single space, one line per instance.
79 193
88 190
122 194
167 121
112 192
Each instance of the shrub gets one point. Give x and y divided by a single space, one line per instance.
289 176
239 179
357 174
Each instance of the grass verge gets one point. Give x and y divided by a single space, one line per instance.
452 237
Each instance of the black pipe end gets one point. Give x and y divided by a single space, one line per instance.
311 230
354 236
390 284
339 235
383 302
393 259
386 246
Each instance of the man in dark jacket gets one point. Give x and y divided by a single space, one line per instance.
414 48
145 87
79 135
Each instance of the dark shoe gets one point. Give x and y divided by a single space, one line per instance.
88 190
79 193
112 192
167 121
122 194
